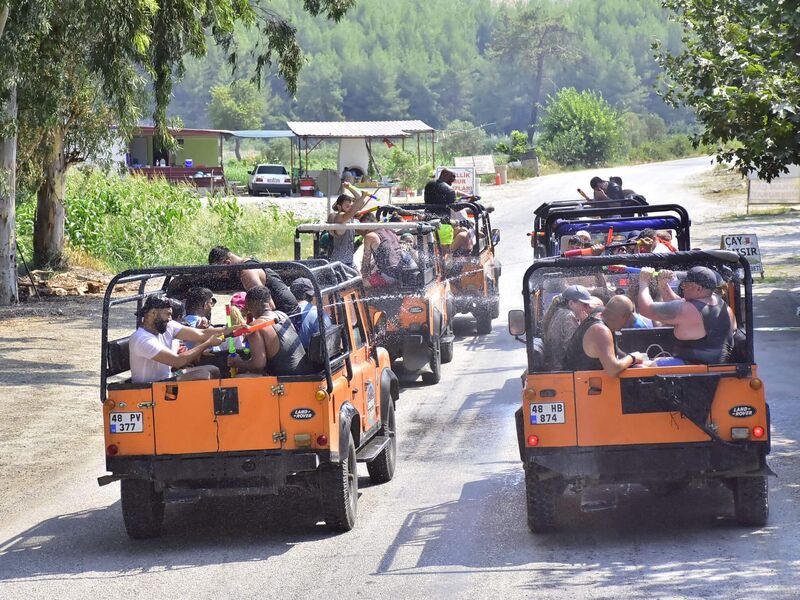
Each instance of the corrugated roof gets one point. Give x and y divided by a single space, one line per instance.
263 133
357 129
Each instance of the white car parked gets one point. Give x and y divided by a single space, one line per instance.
269 179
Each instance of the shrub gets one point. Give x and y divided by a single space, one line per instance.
132 222
581 128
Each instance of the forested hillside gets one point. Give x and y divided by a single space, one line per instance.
436 60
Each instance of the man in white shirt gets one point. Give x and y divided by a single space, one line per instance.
151 355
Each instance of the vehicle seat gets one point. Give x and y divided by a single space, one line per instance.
333 341
538 354
739 351
118 356
639 340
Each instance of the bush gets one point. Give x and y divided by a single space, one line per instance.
514 147
132 222
403 167
581 128
462 138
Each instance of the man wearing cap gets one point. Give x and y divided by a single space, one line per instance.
591 347
344 211
703 322
306 320
151 354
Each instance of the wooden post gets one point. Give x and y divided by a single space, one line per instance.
291 164
433 150
419 156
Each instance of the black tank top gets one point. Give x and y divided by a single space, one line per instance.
291 357
576 359
715 347
388 254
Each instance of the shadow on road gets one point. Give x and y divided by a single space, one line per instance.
648 544
93 543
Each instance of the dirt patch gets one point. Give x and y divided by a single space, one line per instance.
725 195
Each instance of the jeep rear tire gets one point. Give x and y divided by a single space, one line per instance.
339 489
751 500
142 508
447 347
483 321
542 500
381 468
435 375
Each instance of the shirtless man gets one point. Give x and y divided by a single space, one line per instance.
274 350
703 323
591 347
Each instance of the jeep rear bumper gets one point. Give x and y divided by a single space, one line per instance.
253 472
640 463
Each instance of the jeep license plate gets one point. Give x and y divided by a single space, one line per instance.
547 413
126 422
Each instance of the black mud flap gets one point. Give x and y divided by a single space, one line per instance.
691 395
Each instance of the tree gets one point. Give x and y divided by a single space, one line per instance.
580 128
113 41
528 39
239 105
740 72
461 138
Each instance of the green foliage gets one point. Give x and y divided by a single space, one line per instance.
515 146
403 167
581 128
239 105
740 71
131 222
461 138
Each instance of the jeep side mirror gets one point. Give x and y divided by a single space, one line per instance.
495 237
516 322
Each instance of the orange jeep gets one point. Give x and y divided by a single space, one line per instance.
250 435
417 308
660 426
474 277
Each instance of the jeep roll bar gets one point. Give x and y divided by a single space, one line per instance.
615 216
436 211
418 227
710 258
544 209
335 277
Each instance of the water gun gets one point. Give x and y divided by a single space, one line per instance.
604 247
360 191
248 329
361 213
625 269
231 342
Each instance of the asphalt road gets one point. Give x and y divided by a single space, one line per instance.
452 522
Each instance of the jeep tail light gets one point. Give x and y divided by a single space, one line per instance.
112 450
322 440
756 383
321 395
533 440
758 431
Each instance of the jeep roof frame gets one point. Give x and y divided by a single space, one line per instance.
341 276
